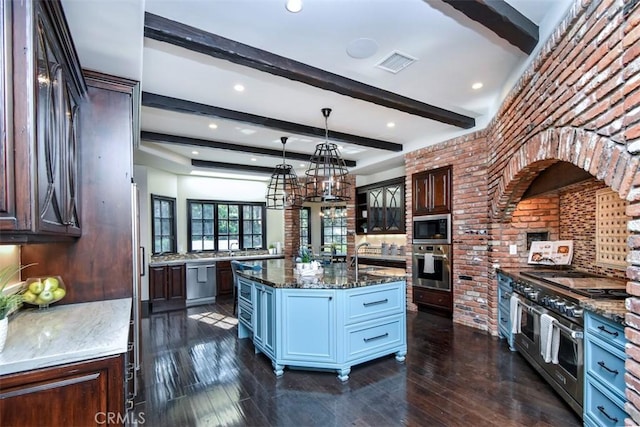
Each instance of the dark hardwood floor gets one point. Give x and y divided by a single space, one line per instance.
197 373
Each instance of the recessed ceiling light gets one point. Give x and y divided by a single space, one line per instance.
195 152
239 88
391 125
253 159
302 165
476 86
213 126
293 6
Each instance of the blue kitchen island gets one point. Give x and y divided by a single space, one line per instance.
329 320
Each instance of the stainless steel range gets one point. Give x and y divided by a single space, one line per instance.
557 293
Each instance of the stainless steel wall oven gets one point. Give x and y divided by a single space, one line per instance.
432 266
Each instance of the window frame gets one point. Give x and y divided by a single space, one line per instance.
241 219
306 209
322 225
173 236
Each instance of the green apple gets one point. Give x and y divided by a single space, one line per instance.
58 294
36 287
29 296
46 296
51 283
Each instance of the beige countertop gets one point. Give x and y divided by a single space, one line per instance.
171 259
64 334
282 273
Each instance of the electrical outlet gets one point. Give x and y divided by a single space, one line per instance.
513 249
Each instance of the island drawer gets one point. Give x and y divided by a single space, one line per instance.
373 302
368 338
245 291
245 315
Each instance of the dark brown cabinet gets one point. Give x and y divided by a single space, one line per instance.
433 299
432 191
167 287
224 278
76 394
40 199
380 208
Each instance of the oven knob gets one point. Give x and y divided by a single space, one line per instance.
574 311
533 295
561 306
551 302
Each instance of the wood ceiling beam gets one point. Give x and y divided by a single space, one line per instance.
197 40
164 138
501 18
233 166
189 107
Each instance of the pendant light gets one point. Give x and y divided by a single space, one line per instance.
283 190
327 173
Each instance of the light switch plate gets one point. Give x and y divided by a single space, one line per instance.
513 249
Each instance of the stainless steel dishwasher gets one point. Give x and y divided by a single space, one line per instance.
201 283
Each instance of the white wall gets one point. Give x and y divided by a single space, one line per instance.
362 180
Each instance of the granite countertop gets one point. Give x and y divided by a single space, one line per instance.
281 273
170 259
64 334
613 309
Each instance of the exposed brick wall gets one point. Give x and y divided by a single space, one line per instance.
578 102
469 229
578 201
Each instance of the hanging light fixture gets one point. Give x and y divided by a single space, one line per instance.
327 173
284 190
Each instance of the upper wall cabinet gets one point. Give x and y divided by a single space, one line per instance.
432 191
39 200
380 208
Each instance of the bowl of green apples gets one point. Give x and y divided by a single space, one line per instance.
42 291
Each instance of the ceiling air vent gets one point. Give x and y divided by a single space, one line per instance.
396 61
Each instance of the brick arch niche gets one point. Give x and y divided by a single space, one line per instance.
603 158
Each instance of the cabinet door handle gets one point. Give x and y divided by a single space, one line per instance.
245 294
245 316
603 329
601 409
603 366
369 304
386 334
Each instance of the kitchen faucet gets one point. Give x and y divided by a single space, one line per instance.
358 246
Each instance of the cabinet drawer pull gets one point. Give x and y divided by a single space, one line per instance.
603 366
245 294
382 301
386 334
601 409
603 329
245 316
504 320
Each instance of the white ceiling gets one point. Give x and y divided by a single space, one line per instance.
452 52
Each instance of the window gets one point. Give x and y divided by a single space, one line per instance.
334 228
305 227
225 226
201 220
163 224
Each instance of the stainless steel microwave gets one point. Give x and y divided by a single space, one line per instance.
432 229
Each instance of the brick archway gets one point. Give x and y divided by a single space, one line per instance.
600 156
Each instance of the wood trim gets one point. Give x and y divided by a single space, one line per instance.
197 40
189 107
221 165
501 18
183 140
